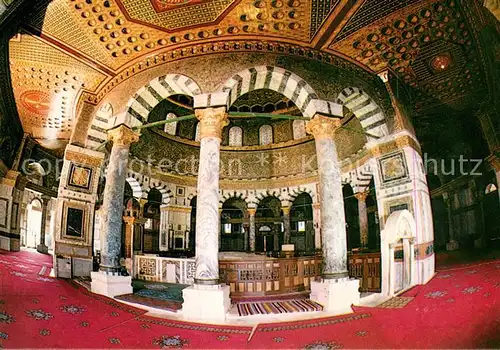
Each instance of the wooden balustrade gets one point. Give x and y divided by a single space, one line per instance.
269 276
366 267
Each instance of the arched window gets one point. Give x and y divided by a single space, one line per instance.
171 128
299 129
197 132
235 136
265 135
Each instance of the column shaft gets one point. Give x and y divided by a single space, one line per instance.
112 207
44 221
363 218
251 213
286 224
331 198
207 212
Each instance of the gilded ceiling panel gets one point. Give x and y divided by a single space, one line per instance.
427 44
46 81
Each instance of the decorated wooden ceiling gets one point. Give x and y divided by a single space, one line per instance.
70 47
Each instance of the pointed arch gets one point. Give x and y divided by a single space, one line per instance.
370 115
273 78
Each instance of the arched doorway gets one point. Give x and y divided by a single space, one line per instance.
151 236
269 226
351 218
302 225
34 223
398 253
233 218
491 210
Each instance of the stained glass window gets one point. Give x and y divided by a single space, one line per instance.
265 135
235 136
171 128
299 129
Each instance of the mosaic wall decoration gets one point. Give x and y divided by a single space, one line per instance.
80 177
393 167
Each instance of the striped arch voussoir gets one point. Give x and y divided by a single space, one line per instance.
370 115
274 78
158 89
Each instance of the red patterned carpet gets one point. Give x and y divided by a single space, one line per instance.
459 308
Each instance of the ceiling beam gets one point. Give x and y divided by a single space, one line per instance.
335 21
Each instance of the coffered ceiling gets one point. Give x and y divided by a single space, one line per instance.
67 47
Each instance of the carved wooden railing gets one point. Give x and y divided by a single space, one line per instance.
269 276
366 267
172 270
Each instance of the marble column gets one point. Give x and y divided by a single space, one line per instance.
42 247
251 215
317 225
332 202
452 243
112 207
211 122
363 218
286 224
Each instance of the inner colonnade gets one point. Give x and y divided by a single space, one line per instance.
333 209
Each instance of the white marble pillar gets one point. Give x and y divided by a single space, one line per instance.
42 247
336 292
111 223
332 202
207 298
363 218
251 215
212 120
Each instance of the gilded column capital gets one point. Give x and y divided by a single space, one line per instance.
122 135
361 196
286 210
322 127
252 211
212 121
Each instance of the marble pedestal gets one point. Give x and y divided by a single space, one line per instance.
452 245
42 248
10 244
336 295
110 285
206 302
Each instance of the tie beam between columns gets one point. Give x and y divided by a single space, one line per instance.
345 120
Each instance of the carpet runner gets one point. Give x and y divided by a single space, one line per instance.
83 281
278 307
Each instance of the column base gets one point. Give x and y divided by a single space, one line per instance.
10 244
110 285
42 248
452 245
336 295
206 302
